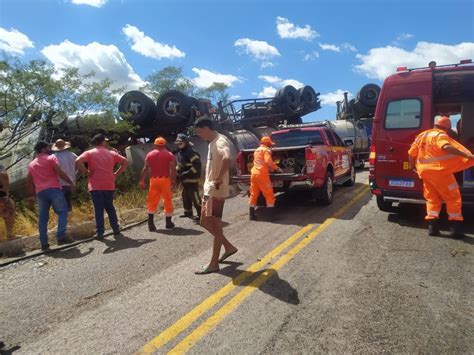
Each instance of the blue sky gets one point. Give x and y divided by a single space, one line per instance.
255 46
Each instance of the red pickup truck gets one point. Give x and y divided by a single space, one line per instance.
312 157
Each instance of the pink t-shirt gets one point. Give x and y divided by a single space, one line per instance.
42 171
159 162
101 163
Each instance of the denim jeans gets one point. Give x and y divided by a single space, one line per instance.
104 200
46 199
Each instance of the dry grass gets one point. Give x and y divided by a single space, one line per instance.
26 222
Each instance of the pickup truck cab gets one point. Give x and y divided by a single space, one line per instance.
408 102
312 157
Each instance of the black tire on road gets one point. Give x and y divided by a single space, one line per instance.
138 108
368 95
383 205
326 192
352 180
288 99
309 98
172 108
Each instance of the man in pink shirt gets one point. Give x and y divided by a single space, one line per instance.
101 163
43 175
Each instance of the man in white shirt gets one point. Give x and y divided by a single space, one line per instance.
216 190
67 160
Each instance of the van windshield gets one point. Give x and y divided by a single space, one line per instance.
297 138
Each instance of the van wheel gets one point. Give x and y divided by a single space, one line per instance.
383 205
352 180
326 192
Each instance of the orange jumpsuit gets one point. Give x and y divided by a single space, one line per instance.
160 182
436 168
260 176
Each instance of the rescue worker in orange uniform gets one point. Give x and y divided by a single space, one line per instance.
160 165
260 176
436 157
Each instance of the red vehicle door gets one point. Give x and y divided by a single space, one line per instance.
402 112
335 154
344 155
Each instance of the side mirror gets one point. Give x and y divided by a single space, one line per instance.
349 142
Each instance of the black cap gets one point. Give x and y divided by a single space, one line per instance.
205 121
181 137
98 139
40 146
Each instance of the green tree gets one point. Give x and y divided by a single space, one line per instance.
217 92
168 78
37 101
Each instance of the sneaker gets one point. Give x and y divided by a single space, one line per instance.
45 247
99 236
65 241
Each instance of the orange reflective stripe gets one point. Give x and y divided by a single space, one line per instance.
435 159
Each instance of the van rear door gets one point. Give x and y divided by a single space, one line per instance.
405 110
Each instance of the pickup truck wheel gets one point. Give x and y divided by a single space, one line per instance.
327 190
383 205
352 180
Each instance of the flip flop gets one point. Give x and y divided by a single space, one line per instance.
225 256
205 271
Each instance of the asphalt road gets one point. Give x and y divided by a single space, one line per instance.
355 280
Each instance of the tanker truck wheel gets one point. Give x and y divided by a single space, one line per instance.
288 99
172 107
138 108
368 95
309 98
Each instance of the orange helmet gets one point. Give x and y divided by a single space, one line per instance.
267 141
160 141
443 121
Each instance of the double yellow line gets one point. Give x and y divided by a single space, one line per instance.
187 320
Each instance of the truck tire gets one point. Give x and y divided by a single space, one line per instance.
383 205
352 180
326 192
309 98
172 108
368 95
288 99
138 108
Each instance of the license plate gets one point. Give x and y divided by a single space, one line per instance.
277 183
401 183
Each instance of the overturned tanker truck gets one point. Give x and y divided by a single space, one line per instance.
242 121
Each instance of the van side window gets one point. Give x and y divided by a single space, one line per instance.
331 140
403 114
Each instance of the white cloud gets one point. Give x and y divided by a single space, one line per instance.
279 82
14 41
106 61
267 64
349 47
378 63
259 49
307 57
94 3
268 91
329 47
206 78
331 98
148 47
286 29
404 36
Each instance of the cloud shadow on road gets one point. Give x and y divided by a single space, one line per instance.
274 286
123 242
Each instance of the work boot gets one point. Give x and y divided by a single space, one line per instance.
151 223
186 214
169 224
45 247
456 230
270 213
433 228
252 214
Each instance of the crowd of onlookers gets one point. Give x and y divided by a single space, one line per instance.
52 179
